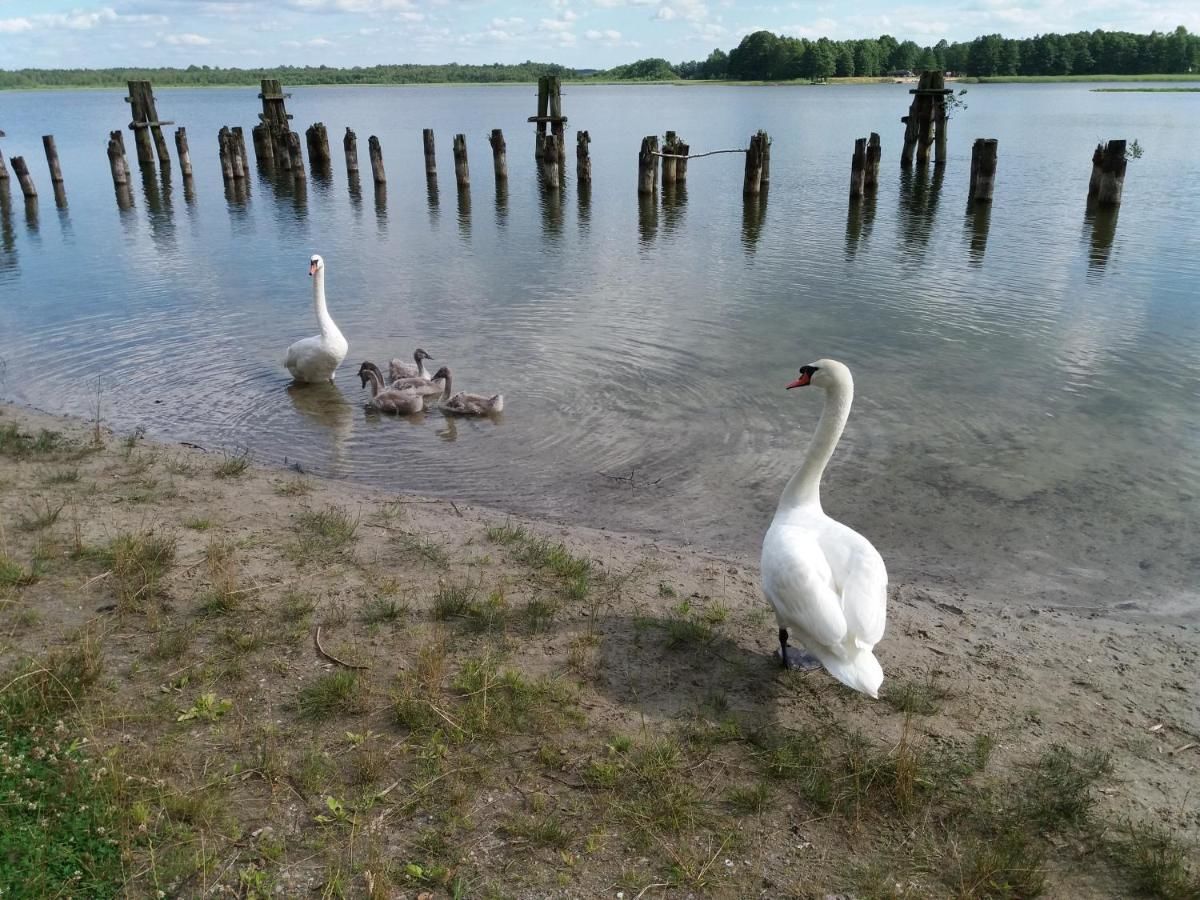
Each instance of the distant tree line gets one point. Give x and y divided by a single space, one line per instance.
289 75
761 56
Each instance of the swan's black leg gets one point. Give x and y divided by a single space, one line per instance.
783 647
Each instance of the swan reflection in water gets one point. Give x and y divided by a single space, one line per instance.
324 406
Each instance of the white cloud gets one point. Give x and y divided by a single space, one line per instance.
314 43
187 39
15 26
507 23
555 25
609 35
76 20
665 14
351 6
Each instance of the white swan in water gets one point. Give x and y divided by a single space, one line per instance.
825 580
316 358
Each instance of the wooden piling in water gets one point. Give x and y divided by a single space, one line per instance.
669 163
145 124
551 171
116 162
181 148
1108 173
925 120
24 178
430 156
264 153
764 141
350 147
225 152
276 118
319 156
858 168
52 159
543 111
3 167
462 172
375 150
647 165
499 155
557 120
752 182
583 161
871 174
983 170
681 164
296 156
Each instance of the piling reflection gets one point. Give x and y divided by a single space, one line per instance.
674 204
354 188
754 214
583 199
647 219
501 202
860 218
978 221
1100 223
431 197
551 202
189 190
8 239
919 194
157 192
381 206
464 212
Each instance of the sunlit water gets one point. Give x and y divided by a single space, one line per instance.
1027 377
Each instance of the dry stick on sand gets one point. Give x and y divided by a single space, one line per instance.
325 653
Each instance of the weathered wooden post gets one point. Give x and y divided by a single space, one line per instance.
430 156
462 173
583 161
52 158
647 168
375 149
549 165
764 142
499 154
242 167
940 121
752 182
116 162
1108 173
24 178
264 154
926 116
3 167
983 170
296 155
146 128
181 147
543 111
871 174
350 146
276 118
858 168
225 153
558 120
683 150
319 156
670 144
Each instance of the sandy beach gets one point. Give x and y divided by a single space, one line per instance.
305 687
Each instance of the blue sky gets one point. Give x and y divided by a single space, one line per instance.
582 33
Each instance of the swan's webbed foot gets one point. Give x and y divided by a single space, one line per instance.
794 658
798 659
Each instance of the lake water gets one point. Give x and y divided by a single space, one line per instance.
1026 426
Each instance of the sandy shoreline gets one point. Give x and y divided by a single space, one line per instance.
659 632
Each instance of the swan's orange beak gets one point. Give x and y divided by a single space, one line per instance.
312 268
803 380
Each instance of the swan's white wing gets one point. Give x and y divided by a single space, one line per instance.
798 581
861 580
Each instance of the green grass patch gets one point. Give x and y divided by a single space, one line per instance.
1156 862
19 444
40 517
233 465
383 610
340 693
325 532
922 698
138 562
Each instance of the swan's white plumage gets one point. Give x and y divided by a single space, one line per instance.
826 582
315 359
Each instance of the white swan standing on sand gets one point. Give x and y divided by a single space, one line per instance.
316 358
825 580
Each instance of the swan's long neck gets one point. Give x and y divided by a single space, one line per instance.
446 389
376 383
804 487
421 370
324 320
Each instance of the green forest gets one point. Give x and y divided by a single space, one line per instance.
761 56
